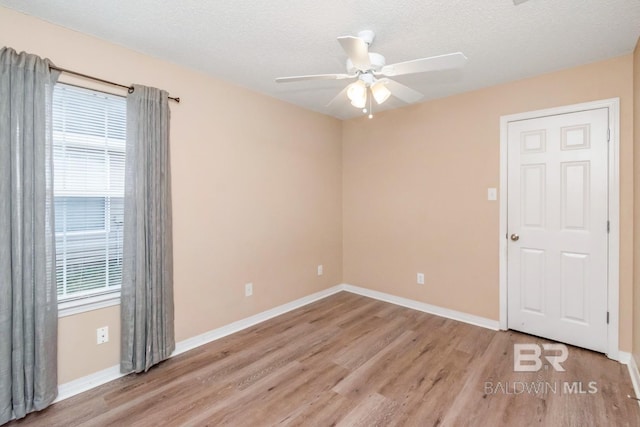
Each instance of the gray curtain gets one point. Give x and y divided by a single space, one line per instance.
28 303
147 282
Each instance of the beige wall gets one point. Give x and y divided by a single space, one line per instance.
415 189
256 192
636 180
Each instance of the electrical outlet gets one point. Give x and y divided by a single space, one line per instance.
320 270
420 278
103 334
248 289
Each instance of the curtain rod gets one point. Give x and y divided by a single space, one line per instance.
86 76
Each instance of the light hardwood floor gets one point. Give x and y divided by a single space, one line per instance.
348 360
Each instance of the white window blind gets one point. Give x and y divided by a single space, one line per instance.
89 132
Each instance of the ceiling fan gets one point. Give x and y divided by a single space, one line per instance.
371 73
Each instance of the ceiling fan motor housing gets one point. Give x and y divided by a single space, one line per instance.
367 36
377 62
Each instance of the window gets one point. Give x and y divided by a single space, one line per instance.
89 132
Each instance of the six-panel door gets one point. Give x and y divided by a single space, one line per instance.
557 206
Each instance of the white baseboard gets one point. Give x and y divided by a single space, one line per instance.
635 376
88 382
231 328
424 307
624 357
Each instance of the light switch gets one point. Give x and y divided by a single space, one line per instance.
492 194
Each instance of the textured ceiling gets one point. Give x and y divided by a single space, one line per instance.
250 43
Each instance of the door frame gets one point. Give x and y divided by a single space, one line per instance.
613 260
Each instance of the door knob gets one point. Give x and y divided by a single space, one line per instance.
515 237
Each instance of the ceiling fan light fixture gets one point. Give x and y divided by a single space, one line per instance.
357 94
361 102
356 90
380 91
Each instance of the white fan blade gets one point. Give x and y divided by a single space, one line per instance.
338 98
403 92
442 62
316 77
357 50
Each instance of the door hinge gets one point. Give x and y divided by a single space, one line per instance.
608 226
608 135
607 317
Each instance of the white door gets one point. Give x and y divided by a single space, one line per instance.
557 226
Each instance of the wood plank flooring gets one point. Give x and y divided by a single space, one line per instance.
348 360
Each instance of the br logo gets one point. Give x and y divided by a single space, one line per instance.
528 357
